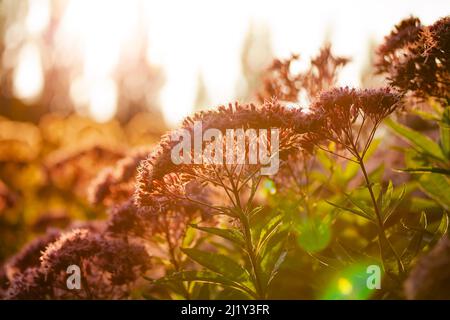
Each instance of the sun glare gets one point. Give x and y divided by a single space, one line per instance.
28 77
192 38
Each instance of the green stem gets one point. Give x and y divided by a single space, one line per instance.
249 242
381 230
252 255
176 265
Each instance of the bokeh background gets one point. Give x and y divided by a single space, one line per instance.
84 81
109 59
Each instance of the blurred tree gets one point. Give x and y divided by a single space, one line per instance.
368 77
202 99
256 55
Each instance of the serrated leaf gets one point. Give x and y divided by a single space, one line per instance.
441 229
415 243
271 255
230 294
205 277
381 198
444 129
268 231
341 253
377 173
324 159
387 198
218 263
254 212
391 264
277 266
425 115
437 187
392 207
418 140
372 148
229 234
427 170
352 210
361 205
328 261
350 171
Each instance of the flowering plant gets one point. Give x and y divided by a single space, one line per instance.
212 223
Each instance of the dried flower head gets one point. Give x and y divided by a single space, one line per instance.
416 58
29 256
105 263
30 284
404 33
74 170
161 182
281 82
70 248
108 265
350 117
124 219
115 184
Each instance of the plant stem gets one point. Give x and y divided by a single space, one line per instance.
252 255
381 230
248 241
176 265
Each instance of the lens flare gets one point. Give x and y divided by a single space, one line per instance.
350 283
28 77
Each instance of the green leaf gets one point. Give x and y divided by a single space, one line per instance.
390 208
441 229
328 261
372 148
350 171
277 266
205 277
189 237
324 159
415 243
273 256
341 253
229 293
387 198
418 140
268 231
444 128
427 170
254 213
388 255
426 115
354 211
369 211
437 187
218 263
229 234
377 173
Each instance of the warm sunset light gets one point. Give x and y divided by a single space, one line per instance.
216 152
187 45
28 76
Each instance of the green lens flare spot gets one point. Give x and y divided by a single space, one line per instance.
314 234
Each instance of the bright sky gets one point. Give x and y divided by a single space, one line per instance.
203 36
